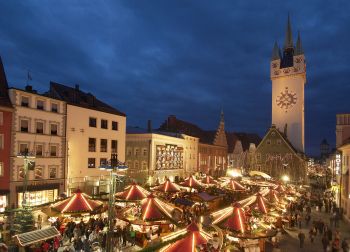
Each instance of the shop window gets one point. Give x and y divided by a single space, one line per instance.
114 125
40 104
38 172
24 125
52 172
39 127
92 144
53 150
103 145
54 107
39 150
91 163
92 122
24 101
114 146
1 168
35 198
104 124
53 129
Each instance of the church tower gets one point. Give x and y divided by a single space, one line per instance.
288 76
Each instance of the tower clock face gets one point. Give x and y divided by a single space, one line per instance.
286 99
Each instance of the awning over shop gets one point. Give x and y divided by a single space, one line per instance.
28 238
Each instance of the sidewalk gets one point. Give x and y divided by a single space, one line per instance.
290 242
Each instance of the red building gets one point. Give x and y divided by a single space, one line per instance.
5 139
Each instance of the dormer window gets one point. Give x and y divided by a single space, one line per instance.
54 107
24 101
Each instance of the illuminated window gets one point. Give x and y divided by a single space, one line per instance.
91 163
103 161
23 148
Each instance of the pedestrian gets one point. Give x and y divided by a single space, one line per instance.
311 235
336 245
345 245
329 234
325 243
307 219
299 218
301 237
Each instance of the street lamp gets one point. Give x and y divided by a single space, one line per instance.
28 162
285 178
117 170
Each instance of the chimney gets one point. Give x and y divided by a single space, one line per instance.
149 126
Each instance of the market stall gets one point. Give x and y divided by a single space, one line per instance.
132 192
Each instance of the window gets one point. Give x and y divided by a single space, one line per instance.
92 122
39 150
129 151
144 166
54 107
39 127
38 173
1 169
92 144
21 173
103 145
114 125
23 148
279 141
40 104
53 129
24 101
1 141
52 172
103 161
268 141
91 163
104 124
144 152
114 146
136 165
24 124
53 150
136 151
1 118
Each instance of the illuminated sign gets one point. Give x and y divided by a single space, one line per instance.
337 164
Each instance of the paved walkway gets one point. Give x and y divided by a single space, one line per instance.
290 242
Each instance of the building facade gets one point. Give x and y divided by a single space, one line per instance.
288 75
6 110
38 128
95 130
154 156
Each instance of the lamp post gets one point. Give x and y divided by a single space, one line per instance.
28 160
117 169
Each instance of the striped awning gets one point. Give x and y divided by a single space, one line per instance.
31 237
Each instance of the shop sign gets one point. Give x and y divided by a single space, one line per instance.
337 164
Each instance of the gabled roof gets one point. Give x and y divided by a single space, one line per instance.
176 125
74 96
245 138
4 97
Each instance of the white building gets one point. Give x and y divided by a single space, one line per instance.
153 156
95 130
39 127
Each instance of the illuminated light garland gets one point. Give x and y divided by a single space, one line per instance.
69 203
240 220
174 235
193 242
147 209
166 186
87 203
131 189
263 204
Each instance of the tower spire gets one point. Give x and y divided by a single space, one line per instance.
299 47
288 42
275 52
222 118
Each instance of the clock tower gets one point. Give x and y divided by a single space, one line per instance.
288 75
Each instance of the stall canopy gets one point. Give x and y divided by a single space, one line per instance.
280 188
193 237
233 220
153 209
31 237
168 187
272 196
192 183
235 186
259 204
76 204
208 180
259 173
133 192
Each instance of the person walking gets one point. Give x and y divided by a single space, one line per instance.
345 245
301 237
325 243
311 235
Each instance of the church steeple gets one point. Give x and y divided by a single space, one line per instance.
288 42
275 52
220 136
222 117
299 47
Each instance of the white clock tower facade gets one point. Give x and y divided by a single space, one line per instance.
288 75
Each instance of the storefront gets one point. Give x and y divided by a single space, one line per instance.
38 194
